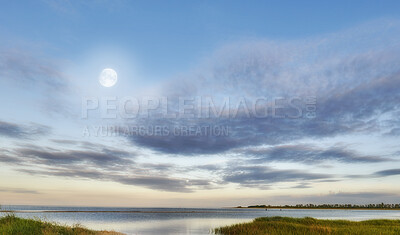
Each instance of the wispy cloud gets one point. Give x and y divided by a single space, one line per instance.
309 154
104 164
18 190
29 69
389 172
378 174
357 197
155 181
22 131
103 158
261 176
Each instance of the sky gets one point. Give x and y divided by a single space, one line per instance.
217 103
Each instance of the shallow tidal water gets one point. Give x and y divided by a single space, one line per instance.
178 220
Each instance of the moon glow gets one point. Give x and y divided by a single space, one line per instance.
108 77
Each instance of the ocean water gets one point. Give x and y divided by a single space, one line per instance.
177 220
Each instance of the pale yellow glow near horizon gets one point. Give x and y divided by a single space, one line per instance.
81 192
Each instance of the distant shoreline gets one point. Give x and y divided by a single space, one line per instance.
316 208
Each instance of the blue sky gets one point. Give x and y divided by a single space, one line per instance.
343 53
173 35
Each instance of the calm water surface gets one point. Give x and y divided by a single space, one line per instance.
178 220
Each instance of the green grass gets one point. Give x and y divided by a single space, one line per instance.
311 226
11 224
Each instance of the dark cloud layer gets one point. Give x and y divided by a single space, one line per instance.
353 86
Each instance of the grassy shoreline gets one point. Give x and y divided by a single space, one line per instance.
311 226
10 224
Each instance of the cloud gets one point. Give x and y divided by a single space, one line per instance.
13 130
163 183
334 197
209 167
352 75
302 185
28 69
308 154
259 176
66 142
104 158
354 87
382 173
155 182
104 164
24 67
17 190
6 156
389 172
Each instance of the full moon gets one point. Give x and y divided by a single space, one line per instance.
108 77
